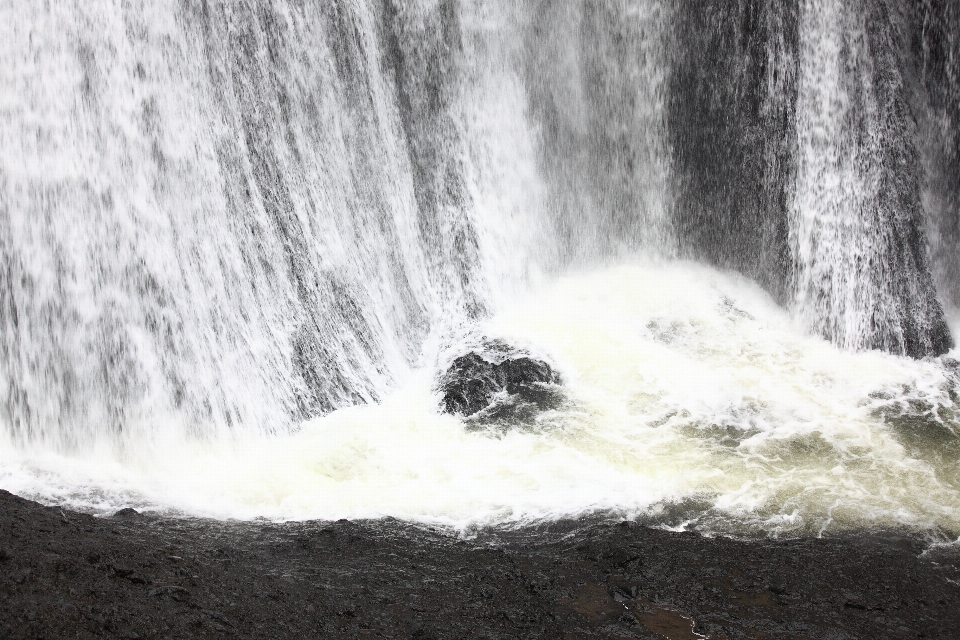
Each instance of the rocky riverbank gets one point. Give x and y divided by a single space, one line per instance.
70 575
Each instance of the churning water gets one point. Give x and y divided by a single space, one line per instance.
691 396
240 241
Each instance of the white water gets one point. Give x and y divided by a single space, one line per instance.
852 150
684 384
211 221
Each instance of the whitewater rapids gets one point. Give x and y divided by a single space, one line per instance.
693 400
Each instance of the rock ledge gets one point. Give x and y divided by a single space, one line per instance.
499 383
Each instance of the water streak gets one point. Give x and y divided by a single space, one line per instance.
239 241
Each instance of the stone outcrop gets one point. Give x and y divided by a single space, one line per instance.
499 383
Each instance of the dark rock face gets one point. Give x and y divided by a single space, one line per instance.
70 575
935 47
127 513
732 121
911 322
499 384
736 132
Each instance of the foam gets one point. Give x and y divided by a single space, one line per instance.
686 386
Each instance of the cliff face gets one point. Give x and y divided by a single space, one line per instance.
733 101
798 159
935 48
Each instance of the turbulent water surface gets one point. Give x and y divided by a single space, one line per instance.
239 242
692 398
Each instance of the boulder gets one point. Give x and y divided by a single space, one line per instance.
499 383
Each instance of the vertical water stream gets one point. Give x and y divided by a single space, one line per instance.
223 222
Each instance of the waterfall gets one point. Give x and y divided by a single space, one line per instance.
223 215
732 118
861 271
227 217
799 163
597 77
936 45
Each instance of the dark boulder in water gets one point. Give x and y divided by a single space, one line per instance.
499 383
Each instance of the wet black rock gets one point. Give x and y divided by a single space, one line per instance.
498 382
734 106
584 578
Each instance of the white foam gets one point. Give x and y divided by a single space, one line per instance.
684 382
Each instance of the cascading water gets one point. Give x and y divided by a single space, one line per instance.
936 45
861 272
238 242
223 216
596 77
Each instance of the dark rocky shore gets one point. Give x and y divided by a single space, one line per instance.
70 575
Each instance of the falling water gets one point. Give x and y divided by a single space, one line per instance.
936 43
597 76
220 217
240 241
856 209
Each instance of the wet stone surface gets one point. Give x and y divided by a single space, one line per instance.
65 574
499 383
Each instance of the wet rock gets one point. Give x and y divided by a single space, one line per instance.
127 513
172 590
497 383
392 579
